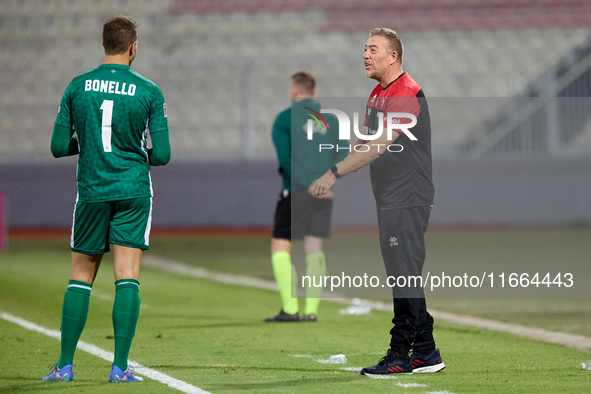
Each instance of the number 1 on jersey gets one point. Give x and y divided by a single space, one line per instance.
107 108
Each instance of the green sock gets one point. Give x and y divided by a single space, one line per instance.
285 275
74 314
315 267
126 310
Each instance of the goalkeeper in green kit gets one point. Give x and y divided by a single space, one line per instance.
105 117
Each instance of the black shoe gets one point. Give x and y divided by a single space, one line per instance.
391 364
311 317
430 363
283 317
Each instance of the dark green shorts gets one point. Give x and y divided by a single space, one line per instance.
99 224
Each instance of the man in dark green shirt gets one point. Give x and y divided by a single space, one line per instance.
300 214
105 116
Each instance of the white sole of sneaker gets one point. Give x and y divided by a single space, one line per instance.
386 375
430 368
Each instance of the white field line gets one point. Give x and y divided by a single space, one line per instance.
391 376
108 356
197 272
102 296
409 385
110 298
571 340
352 369
560 338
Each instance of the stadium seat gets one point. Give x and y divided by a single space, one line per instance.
199 52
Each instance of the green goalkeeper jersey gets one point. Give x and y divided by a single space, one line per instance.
111 109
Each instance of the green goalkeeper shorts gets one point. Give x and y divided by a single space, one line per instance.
99 224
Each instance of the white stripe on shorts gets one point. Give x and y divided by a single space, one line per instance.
73 221
148 226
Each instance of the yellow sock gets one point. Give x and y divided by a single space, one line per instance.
286 278
315 268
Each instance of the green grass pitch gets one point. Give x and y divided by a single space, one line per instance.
211 335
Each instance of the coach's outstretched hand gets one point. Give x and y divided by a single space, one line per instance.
322 186
327 196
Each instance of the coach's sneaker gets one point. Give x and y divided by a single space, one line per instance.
64 374
118 376
284 317
425 364
311 317
390 364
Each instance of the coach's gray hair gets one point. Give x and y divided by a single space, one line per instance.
392 37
